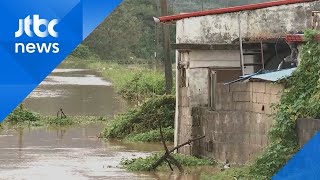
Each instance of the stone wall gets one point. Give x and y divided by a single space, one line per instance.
237 129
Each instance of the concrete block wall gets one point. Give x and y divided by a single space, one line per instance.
306 129
237 129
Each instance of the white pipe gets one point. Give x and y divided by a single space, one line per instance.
241 47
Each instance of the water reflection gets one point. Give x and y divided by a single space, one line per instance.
74 153
78 92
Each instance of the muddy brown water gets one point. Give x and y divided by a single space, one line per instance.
76 152
78 92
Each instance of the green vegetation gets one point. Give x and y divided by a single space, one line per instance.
22 117
153 136
143 164
301 99
133 83
60 121
144 119
83 52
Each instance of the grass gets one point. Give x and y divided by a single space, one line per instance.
22 117
133 83
143 164
142 123
152 136
57 121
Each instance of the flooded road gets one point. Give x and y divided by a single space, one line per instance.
69 154
73 153
77 92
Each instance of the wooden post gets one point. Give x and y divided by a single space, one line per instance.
166 46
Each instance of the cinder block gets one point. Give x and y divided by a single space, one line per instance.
241 96
264 140
223 89
267 98
230 127
252 138
258 108
276 89
262 129
242 106
223 151
260 97
254 97
259 87
235 156
259 118
246 139
258 140
246 123
228 106
274 99
218 126
241 87
268 88
195 110
268 109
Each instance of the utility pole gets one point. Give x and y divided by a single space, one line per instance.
166 46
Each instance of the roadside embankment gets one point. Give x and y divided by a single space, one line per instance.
142 123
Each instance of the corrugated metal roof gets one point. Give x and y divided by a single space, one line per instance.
274 76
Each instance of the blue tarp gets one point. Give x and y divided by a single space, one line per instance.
274 76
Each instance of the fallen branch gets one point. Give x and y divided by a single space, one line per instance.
188 142
167 157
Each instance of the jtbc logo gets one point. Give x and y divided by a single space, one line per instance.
25 26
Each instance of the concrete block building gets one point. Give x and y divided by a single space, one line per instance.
216 47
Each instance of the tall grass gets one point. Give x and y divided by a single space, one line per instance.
133 83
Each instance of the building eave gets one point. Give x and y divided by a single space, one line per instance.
173 18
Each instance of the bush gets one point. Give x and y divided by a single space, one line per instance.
143 164
20 115
144 118
153 136
82 52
